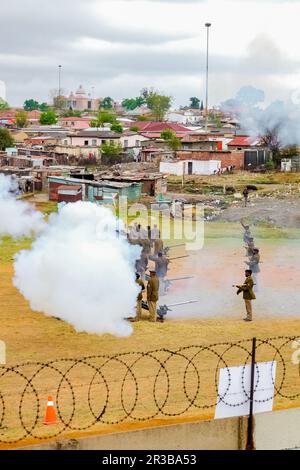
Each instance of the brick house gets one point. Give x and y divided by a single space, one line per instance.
227 158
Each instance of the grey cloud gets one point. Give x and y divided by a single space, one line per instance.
152 62
27 29
36 41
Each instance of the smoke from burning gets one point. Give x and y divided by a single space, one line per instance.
17 218
79 270
280 117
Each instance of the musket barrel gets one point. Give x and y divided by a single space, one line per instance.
184 303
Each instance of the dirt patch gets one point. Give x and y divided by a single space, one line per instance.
277 212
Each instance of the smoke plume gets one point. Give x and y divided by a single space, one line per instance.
281 118
81 271
17 218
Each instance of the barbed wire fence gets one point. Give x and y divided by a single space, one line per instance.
102 391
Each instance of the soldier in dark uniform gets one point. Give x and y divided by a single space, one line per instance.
246 196
250 247
247 232
253 264
161 268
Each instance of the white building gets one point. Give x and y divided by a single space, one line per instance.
184 117
131 140
80 101
190 167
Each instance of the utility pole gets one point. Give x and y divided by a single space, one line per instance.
59 80
207 25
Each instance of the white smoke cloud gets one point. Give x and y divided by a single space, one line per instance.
79 270
17 218
280 117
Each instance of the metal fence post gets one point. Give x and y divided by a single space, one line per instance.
250 440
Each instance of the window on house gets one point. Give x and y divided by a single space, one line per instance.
65 142
125 143
94 142
73 123
86 142
89 105
112 142
137 143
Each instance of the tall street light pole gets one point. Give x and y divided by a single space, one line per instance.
59 81
207 25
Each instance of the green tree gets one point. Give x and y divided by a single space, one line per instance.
72 113
111 154
217 122
44 107
134 129
6 139
132 103
167 134
107 103
195 102
143 117
171 138
290 152
48 118
103 117
4 106
117 127
31 105
21 119
159 105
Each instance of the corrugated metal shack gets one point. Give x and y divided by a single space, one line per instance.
68 193
100 192
152 184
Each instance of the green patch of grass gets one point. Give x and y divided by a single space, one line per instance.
9 247
47 207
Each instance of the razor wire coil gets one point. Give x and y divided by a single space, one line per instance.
162 383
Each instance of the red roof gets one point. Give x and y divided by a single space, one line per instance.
147 126
243 142
7 115
157 135
34 114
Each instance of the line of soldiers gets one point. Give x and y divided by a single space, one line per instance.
250 283
252 253
152 249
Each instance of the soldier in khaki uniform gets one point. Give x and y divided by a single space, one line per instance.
152 295
139 300
158 246
161 268
248 294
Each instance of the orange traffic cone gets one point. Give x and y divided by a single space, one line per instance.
50 416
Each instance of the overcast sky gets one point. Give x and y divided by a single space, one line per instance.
121 46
